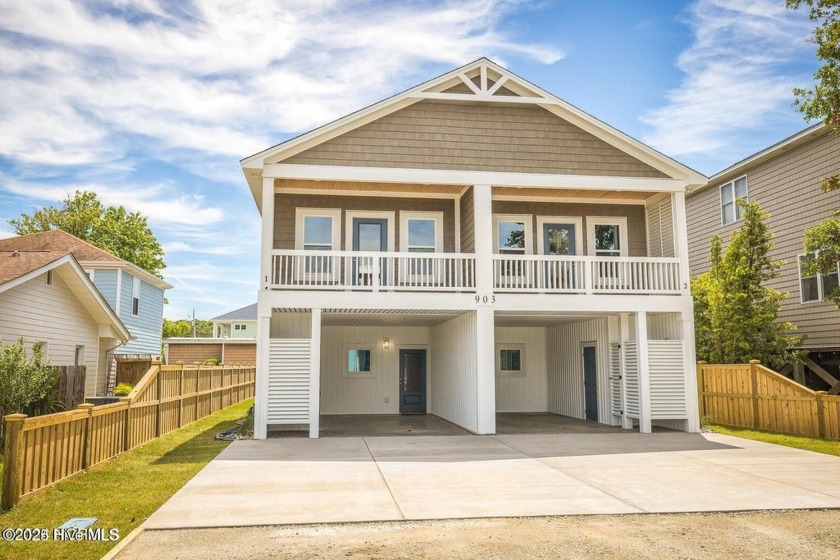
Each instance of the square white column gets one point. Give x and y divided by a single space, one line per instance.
315 375
645 425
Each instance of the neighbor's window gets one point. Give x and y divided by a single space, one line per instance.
135 296
729 193
358 360
818 286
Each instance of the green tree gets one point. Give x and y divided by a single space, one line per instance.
823 240
111 228
823 100
735 313
176 328
25 380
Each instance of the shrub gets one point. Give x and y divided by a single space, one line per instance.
123 389
211 362
25 380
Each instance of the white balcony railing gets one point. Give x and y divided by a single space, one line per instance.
586 275
372 271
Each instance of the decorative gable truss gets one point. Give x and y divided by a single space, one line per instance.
484 83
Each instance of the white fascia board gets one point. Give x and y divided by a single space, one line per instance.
462 177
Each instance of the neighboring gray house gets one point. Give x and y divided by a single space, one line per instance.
785 180
135 295
241 323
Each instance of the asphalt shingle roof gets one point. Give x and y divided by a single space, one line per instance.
247 313
58 240
14 265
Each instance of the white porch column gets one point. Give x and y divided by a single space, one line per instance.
681 239
267 239
263 357
485 349
483 239
690 361
624 332
315 375
644 372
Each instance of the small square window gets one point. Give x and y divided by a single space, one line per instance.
510 360
358 360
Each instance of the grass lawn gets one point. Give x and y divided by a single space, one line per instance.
121 492
828 447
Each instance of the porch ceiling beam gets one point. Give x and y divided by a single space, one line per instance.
465 177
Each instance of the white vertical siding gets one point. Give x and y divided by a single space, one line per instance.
660 228
565 367
288 381
631 378
454 371
52 314
615 379
342 394
529 391
664 326
291 325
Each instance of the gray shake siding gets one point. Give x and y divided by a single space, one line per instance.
467 222
479 137
788 187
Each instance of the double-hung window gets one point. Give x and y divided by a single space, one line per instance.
316 230
421 232
729 193
607 236
135 296
818 286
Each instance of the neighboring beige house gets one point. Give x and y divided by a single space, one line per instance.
470 246
46 298
785 180
241 323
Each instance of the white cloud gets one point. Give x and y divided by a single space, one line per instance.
736 75
218 76
4 234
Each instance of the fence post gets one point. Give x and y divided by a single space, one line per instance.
88 408
12 460
754 391
158 416
701 389
127 426
181 395
821 413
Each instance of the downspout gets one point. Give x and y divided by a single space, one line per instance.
131 337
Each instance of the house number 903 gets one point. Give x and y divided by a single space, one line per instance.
485 299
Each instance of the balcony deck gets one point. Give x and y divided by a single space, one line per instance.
456 272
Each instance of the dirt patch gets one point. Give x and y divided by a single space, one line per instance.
811 535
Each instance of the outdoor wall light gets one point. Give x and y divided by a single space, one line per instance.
386 343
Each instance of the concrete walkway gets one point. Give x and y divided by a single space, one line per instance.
289 481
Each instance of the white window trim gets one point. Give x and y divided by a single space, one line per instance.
522 364
620 221
818 276
135 294
731 184
436 216
350 215
527 219
334 213
358 375
576 220
91 274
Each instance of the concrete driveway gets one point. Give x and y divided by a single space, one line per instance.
290 481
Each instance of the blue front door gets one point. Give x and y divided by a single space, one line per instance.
590 383
412 381
369 234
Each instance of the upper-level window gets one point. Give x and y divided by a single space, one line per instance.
607 236
421 232
316 229
512 234
135 296
729 193
818 286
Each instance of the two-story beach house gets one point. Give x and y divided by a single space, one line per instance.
785 179
470 246
135 295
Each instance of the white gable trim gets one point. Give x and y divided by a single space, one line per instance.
434 88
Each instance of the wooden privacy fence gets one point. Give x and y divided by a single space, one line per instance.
42 450
753 396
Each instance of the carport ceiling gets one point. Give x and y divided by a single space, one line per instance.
376 318
536 319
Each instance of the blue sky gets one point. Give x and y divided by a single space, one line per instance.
151 104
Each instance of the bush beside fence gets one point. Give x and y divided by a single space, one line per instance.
753 396
42 450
